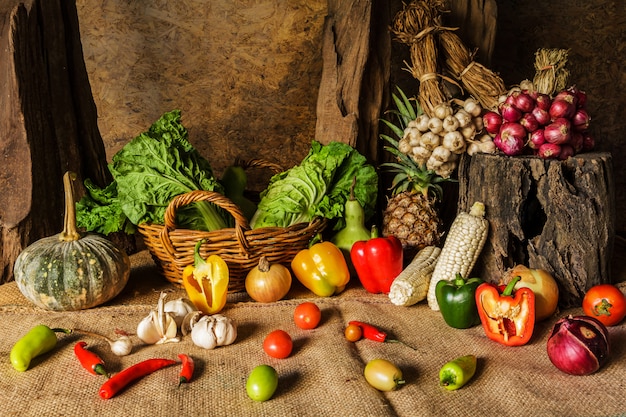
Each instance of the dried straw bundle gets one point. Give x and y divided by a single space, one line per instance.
551 76
479 81
415 26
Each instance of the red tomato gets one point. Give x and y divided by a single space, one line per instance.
353 333
606 303
307 315
278 344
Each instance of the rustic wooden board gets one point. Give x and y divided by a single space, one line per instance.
548 214
244 73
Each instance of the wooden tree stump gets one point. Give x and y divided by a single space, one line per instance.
547 214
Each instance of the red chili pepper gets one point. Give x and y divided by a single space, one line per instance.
89 360
373 333
377 261
186 371
120 380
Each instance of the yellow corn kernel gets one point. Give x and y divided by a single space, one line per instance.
411 285
461 249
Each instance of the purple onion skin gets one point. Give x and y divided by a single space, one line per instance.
578 345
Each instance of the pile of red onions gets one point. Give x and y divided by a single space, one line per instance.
535 123
578 345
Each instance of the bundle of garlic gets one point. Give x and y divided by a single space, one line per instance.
438 141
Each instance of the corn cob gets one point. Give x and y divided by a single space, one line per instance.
460 251
411 286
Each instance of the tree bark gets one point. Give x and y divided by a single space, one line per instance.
546 214
48 121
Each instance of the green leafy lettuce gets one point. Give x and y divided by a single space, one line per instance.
148 173
318 187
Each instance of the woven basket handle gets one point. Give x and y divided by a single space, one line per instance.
259 163
241 223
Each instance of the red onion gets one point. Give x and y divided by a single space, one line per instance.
492 122
549 150
542 116
509 112
558 131
566 151
521 101
529 122
543 101
567 95
578 345
580 120
589 142
581 98
511 138
561 108
577 141
536 139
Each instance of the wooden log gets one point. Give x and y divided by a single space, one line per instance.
48 121
547 214
355 74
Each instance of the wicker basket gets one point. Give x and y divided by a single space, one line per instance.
239 246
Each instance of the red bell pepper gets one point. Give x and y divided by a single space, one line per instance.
507 317
377 261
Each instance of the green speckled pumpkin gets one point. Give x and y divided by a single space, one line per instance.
70 271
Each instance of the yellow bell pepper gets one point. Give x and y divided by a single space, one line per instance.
322 269
206 282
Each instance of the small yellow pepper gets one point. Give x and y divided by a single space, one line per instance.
206 282
321 268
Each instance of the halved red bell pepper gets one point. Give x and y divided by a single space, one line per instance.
507 316
377 261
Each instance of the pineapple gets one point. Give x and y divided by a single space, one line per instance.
411 214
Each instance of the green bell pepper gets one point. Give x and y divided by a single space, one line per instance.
457 301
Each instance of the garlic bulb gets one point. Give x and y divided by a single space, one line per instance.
158 327
179 308
122 346
212 331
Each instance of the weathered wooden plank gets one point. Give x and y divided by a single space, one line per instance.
47 119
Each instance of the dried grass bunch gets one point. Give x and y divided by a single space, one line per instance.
479 81
551 75
416 25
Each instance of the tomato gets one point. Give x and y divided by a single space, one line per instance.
262 383
278 344
353 333
307 315
606 303
383 375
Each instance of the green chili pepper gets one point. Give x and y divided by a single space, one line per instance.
457 301
454 374
39 340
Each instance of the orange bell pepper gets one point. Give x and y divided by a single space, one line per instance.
507 317
206 282
321 268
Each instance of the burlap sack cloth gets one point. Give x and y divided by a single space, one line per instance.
323 376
